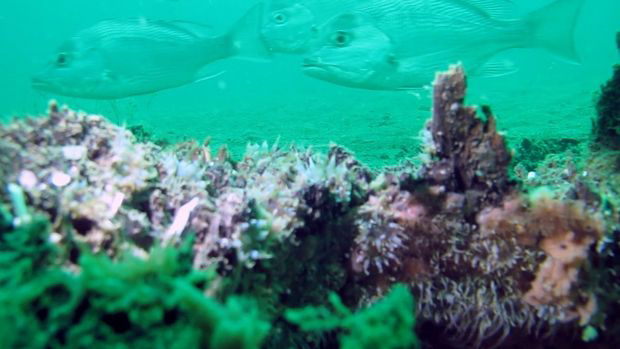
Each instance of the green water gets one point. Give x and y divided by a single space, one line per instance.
256 101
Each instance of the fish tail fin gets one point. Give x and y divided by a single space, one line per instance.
245 35
553 26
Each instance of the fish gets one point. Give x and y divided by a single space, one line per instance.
399 45
291 26
120 58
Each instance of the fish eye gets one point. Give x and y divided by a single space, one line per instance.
341 38
279 18
62 59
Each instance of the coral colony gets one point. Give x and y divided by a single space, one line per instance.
107 241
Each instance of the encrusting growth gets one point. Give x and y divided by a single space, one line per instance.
482 259
607 125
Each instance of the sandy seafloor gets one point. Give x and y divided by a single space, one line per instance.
256 101
381 128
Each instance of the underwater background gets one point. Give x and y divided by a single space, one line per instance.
407 219
254 101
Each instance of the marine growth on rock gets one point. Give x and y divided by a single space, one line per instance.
489 263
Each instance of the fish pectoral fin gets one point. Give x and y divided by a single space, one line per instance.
419 92
494 69
209 77
108 75
197 30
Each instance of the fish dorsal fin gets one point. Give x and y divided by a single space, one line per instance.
472 6
499 9
209 77
347 21
280 3
108 75
191 28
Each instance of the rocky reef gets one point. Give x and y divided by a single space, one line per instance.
485 260
607 125
288 247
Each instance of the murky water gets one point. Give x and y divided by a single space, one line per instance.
272 99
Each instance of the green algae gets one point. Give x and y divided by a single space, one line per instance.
300 272
387 324
530 152
159 302
143 135
156 302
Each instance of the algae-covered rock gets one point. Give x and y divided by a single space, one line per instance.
607 125
289 227
133 303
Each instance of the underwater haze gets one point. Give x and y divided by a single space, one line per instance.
270 98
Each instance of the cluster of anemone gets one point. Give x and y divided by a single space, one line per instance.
483 259
381 222
519 266
274 193
83 168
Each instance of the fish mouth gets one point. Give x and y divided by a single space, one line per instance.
313 64
337 73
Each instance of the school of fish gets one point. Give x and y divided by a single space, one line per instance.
367 44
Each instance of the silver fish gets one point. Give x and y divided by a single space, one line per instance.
122 58
291 26
390 45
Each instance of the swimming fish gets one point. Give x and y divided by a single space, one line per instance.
121 58
391 45
291 26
